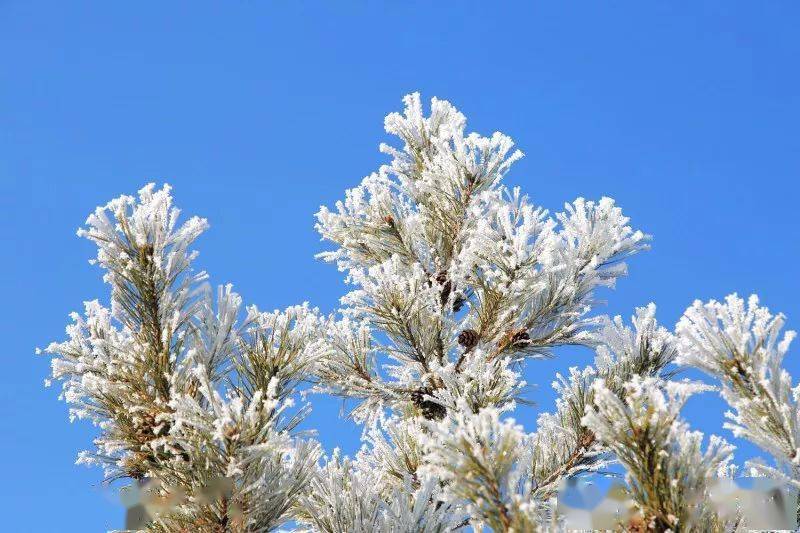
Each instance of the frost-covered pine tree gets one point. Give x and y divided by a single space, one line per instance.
457 283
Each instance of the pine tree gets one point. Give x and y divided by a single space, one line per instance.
458 282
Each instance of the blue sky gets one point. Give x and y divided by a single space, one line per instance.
259 112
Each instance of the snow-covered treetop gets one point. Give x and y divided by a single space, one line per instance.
460 275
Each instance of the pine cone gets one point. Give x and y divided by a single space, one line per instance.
513 339
144 427
446 292
447 288
458 303
430 409
135 465
520 339
150 427
468 338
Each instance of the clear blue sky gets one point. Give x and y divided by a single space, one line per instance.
258 112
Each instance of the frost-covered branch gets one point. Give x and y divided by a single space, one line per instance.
741 346
120 365
668 473
349 497
190 398
483 461
562 445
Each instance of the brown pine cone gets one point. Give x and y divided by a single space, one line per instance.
430 409
468 338
516 339
447 288
520 339
458 303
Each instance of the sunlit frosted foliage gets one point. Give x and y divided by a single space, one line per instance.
191 398
452 271
740 344
119 365
668 472
241 469
562 445
483 461
457 282
348 497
